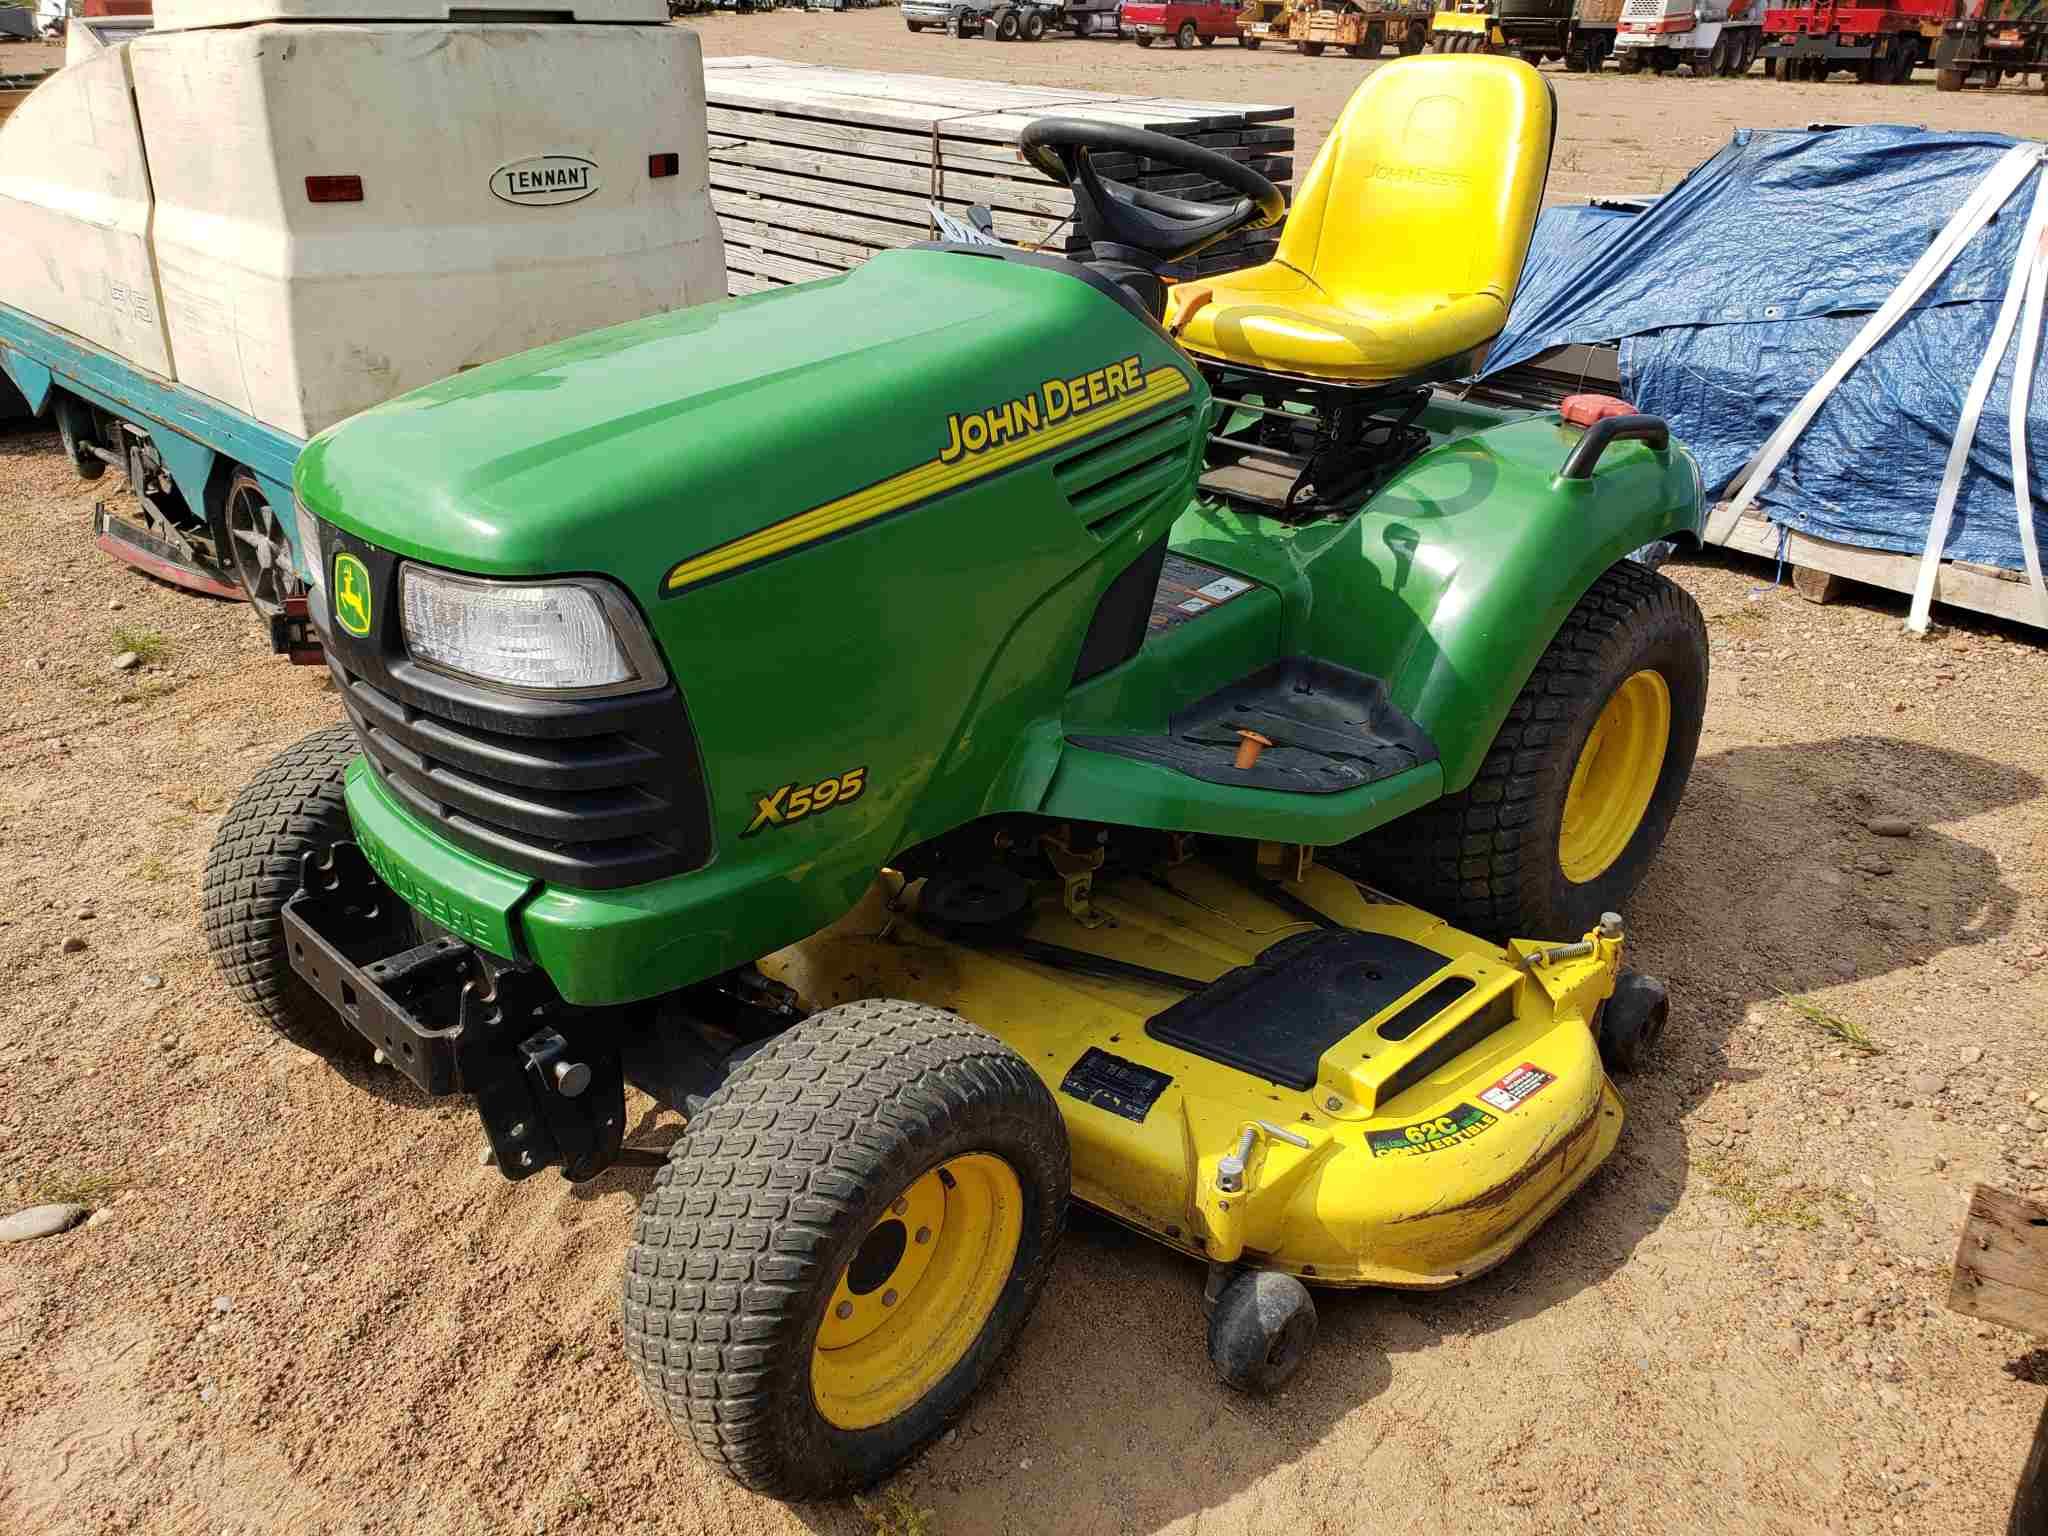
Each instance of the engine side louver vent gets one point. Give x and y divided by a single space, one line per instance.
1110 479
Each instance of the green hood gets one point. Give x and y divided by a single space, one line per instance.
631 449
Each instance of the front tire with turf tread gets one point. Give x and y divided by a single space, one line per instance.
768 1194
1486 858
291 808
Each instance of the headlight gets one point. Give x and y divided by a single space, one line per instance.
309 549
560 637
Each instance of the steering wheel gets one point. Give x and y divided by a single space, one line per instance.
1152 224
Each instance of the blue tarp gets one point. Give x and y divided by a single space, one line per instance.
1734 291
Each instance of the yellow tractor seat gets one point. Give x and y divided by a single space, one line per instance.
1400 255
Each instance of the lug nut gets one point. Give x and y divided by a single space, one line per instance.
924 1234
889 1298
899 1207
843 1311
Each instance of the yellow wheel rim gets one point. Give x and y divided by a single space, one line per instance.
1615 777
917 1292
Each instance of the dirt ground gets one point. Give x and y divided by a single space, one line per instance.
304 1306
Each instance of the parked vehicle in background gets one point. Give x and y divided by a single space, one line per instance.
1186 22
190 318
1093 18
1712 37
1467 26
1578 32
1362 28
2002 38
935 15
1261 20
1007 21
1881 44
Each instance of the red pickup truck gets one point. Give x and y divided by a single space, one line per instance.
1184 21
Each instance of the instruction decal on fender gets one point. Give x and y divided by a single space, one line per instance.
1525 1080
1112 1083
1463 1123
970 446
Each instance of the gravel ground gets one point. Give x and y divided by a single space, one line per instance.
301 1305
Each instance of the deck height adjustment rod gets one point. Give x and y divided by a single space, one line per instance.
1230 1166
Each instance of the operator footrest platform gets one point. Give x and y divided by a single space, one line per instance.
1330 729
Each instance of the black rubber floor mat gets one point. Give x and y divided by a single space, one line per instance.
1275 1017
1332 729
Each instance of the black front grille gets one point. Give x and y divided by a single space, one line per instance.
598 793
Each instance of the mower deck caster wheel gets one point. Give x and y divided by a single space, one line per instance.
1632 1021
1261 1331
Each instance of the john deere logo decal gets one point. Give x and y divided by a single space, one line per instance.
352 595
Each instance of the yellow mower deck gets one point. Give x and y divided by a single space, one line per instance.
1413 1162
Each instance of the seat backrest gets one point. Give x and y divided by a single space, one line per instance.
1429 184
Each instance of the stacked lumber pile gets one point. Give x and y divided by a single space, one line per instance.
814 169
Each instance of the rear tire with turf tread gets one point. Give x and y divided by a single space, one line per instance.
771 1191
1486 858
291 808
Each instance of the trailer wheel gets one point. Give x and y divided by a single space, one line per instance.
1007 27
1184 39
1574 797
1208 40
292 807
1629 62
1414 40
1313 50
1246 40
842 1244
1034 27
1717 58
1144 40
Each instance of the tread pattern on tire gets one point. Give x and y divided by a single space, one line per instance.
1464 857
731 1243
293 805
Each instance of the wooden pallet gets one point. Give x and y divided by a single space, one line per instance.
814 169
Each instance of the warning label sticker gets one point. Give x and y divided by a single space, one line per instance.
1459 1126
1517 1086
1188 589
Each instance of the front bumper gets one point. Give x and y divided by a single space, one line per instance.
453 1019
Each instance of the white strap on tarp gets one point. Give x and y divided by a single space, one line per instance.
1973 411
2016 425
1991 193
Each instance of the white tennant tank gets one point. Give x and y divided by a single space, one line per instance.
266 215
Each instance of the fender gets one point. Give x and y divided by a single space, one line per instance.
1448 585
1452 581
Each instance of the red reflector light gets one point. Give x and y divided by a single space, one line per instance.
334 189
664 165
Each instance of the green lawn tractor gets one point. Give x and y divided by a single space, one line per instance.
990 730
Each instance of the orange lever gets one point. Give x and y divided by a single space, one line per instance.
1249 745
1190 297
